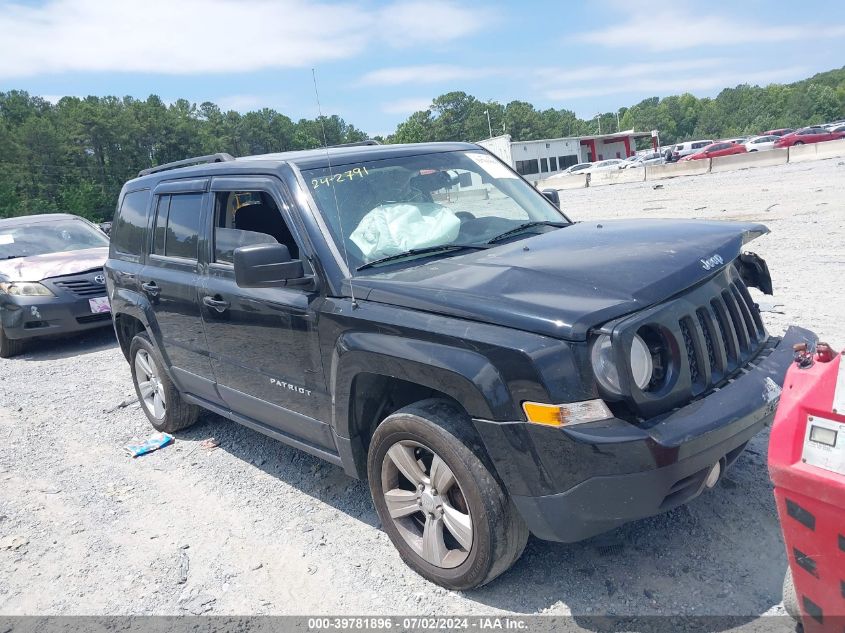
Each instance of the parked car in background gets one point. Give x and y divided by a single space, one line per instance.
779 132
641 160
51 278
689 147
589 168
759 143
604 165
838 128
808 135
575 169
714 150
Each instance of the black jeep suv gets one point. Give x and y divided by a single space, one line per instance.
422 317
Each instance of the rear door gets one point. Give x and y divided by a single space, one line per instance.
263 341
170 280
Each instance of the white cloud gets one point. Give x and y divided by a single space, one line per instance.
406 106
621 71
424 74
427 22
212 36
660 85
656 27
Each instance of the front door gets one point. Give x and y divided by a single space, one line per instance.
170 280
263 341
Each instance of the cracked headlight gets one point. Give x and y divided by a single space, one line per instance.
25 289
606 371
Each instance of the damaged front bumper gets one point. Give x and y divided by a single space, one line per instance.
31 317
572 483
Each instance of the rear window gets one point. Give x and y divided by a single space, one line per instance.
177 225
130 224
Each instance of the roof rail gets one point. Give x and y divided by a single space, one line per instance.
220 157
369 141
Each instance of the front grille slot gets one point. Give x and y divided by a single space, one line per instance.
82 287
94 318
709 335
737 322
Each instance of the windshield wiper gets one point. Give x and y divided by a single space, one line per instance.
522 227
11 256
428 250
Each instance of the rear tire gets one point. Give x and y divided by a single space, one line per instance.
466 533
159 397
8 346
798 143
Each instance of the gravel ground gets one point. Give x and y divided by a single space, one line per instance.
255 527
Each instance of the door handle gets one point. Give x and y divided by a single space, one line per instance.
216 304
151 288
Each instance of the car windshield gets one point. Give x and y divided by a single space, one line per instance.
42 237
383 208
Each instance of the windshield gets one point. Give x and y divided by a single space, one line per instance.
40 238
378 209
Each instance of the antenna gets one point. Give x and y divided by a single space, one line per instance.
334 191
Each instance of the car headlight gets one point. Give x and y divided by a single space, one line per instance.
606 371
25 289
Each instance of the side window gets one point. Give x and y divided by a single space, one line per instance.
243 218
160 229
131 223
177 225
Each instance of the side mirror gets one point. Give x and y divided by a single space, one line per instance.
552 196
265 266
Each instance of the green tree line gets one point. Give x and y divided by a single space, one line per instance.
75 155
735 111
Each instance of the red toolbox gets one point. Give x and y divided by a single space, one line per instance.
807 466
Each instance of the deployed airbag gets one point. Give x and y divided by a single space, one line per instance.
398 227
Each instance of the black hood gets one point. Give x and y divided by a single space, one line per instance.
564 282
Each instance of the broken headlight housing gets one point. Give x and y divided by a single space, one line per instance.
605 368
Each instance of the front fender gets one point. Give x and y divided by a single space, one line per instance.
464 375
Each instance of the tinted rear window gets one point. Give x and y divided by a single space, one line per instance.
177 225
127 235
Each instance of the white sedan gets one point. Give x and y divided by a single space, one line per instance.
759 143
642 160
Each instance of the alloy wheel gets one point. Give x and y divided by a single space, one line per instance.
426 504
150 385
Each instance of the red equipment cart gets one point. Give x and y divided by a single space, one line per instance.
807 466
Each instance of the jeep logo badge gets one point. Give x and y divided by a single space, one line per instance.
711 262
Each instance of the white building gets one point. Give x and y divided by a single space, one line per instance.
537 160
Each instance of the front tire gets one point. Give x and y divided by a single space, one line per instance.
8 346
159 397
437 497
790 597
798 143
